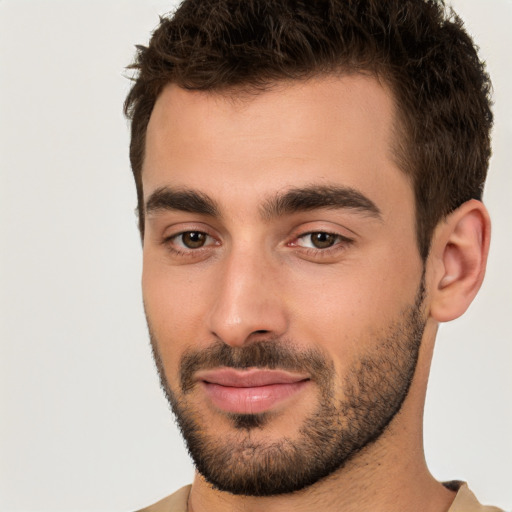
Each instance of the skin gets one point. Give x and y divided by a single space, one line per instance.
258 276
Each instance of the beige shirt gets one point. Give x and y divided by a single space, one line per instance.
465 501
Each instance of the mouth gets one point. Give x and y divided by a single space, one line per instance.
251 391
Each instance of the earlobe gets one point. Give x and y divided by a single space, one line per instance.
459 255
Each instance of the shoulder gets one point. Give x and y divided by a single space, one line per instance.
465 500
176 502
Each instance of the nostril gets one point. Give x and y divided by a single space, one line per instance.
261 331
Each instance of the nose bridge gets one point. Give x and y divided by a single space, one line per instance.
247 299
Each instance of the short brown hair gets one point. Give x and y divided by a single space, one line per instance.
419 48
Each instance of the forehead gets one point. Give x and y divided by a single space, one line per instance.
325 130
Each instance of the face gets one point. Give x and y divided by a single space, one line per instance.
282 281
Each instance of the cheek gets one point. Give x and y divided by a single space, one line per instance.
174 306
173 295
345 311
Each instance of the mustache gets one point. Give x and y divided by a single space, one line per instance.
269 354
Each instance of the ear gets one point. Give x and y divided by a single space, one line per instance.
458 257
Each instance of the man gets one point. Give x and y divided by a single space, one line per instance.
309 178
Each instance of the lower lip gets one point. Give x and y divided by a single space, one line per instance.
251 400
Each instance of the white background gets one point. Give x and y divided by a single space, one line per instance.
83 425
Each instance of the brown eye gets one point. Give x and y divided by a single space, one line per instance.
323 240
193 239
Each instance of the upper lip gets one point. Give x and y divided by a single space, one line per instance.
252 377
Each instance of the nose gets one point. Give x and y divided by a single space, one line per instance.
248 302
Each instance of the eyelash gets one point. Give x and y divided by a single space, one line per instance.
170 244
340 244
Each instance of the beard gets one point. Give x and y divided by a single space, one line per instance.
373 390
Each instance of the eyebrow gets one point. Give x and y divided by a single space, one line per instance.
311 197
314 197
185 200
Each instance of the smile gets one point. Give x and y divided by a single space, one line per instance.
250 391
